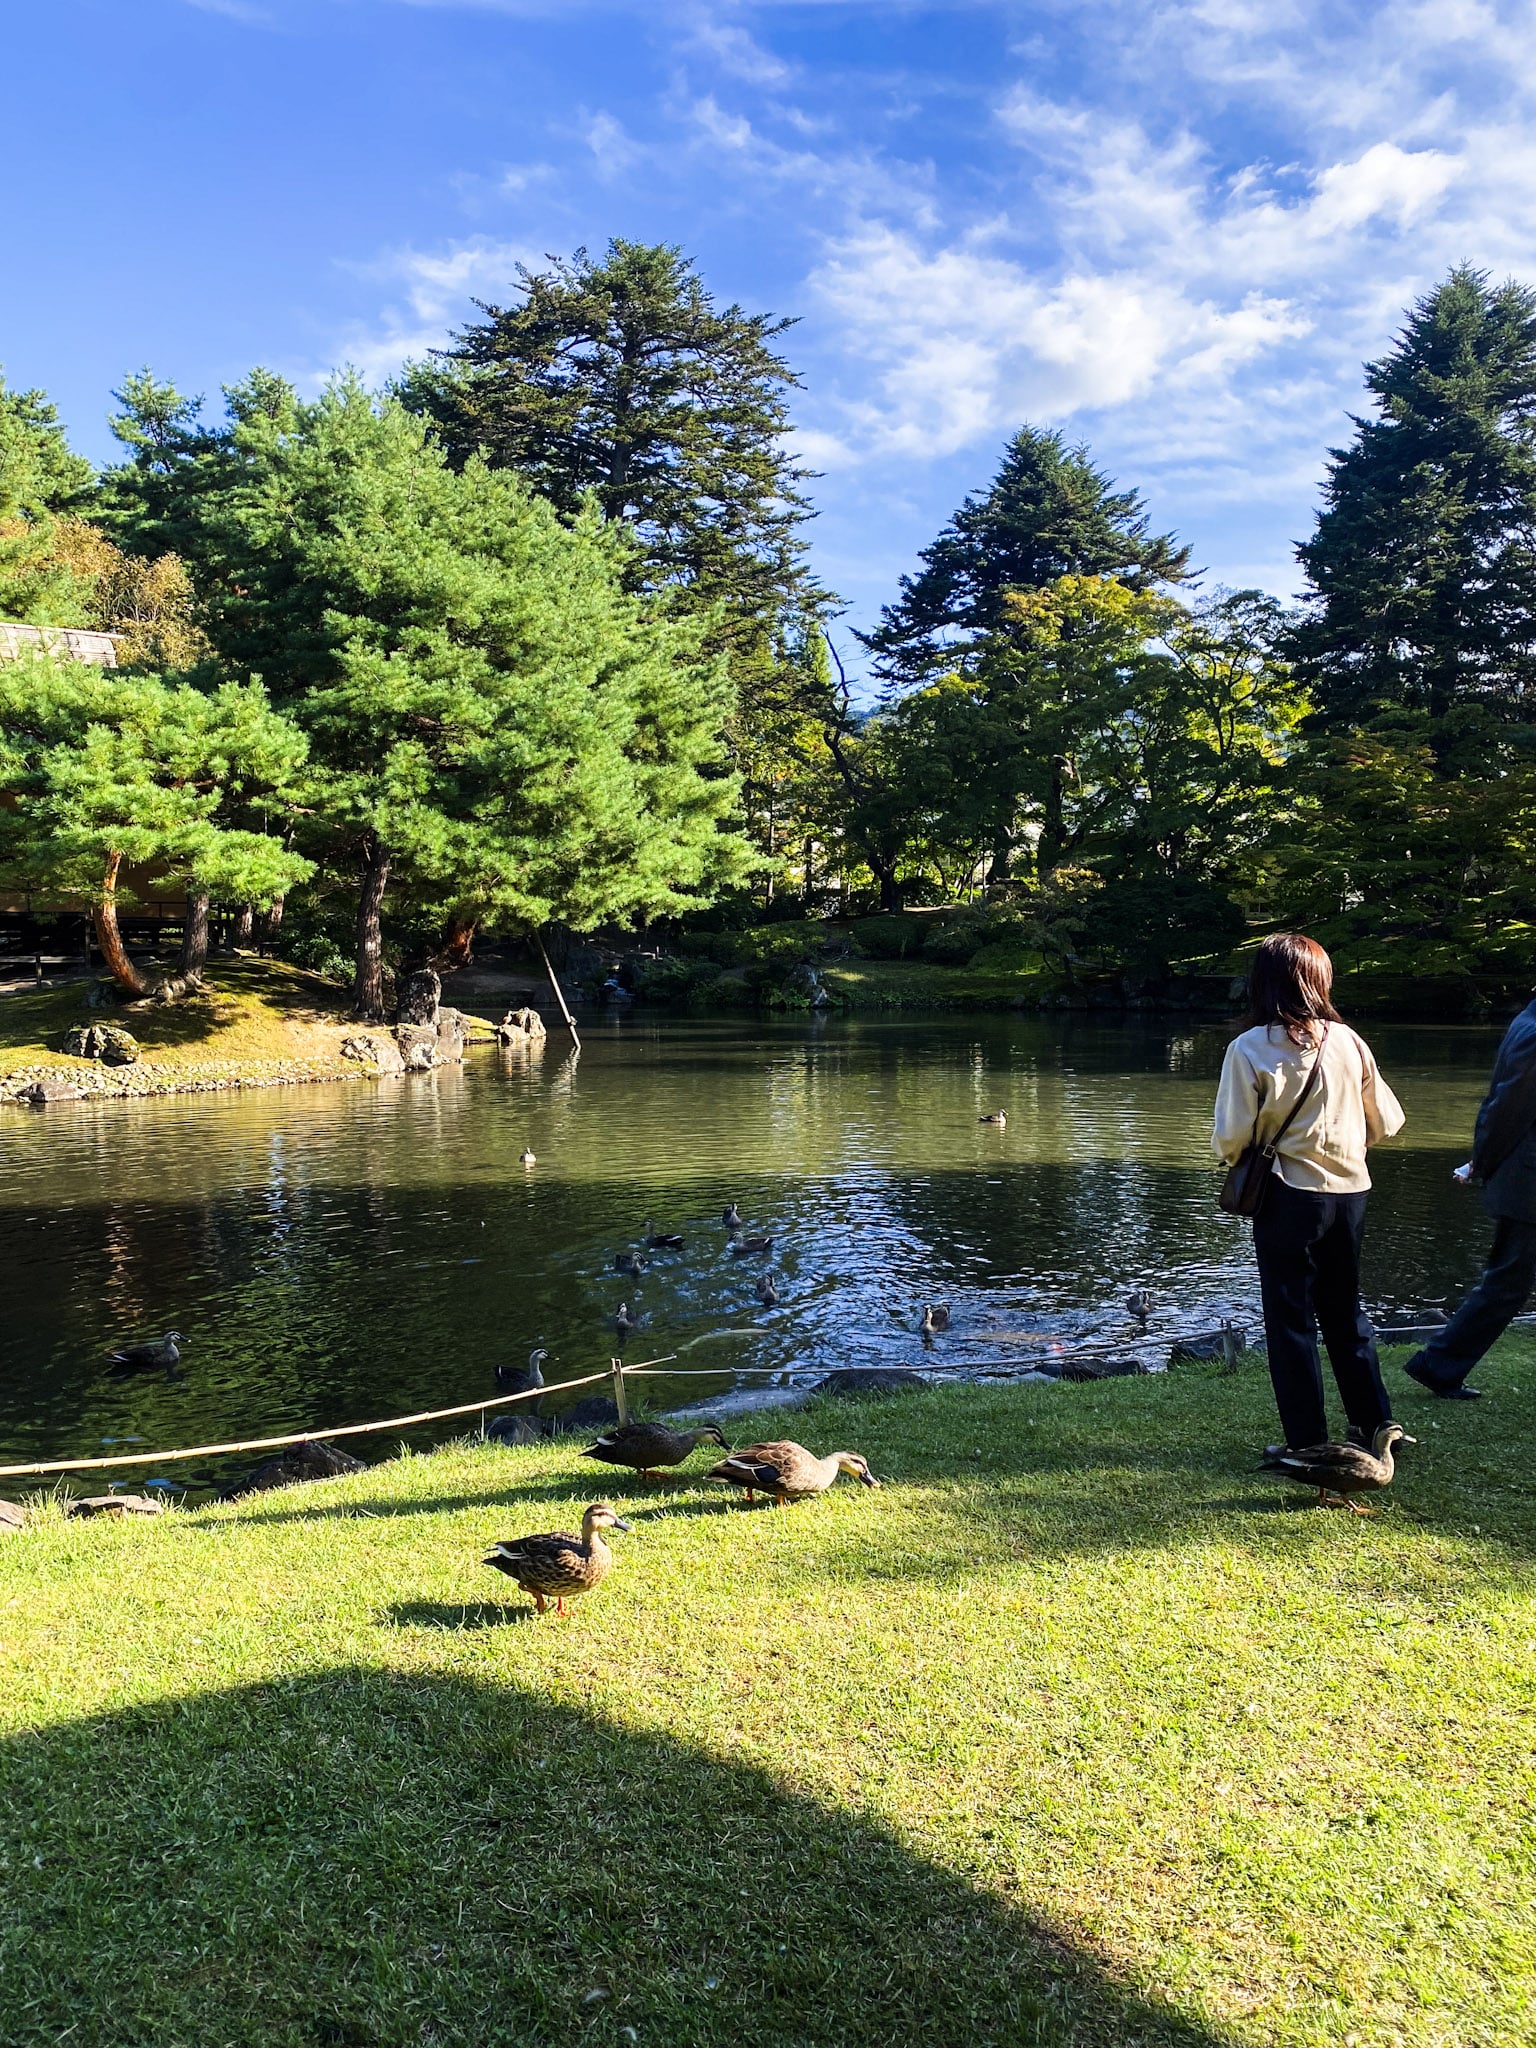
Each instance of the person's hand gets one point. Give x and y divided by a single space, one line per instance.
1463 1174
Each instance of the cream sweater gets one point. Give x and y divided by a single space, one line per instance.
1349 1107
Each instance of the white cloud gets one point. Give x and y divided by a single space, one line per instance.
434 289
734 51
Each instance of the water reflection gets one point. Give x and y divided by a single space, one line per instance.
338 1253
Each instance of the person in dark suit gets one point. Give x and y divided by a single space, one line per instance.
1504 1160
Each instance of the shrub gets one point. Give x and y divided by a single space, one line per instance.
891 936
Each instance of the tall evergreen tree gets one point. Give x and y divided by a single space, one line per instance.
1423 562
496 727
620 377
1047 513
40 479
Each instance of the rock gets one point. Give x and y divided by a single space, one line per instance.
109 1043
300 1462
11 1517
518 1026
1099 1368
452 1032
418 1047
515 1429
48 1088
850 1382
595 1412
116 1504
419 998
373 1049
1225 1343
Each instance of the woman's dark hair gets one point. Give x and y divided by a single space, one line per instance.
1291 983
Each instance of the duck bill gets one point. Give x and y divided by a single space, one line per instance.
617 1524
869 1479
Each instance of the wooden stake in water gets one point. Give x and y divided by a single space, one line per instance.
570 1021
620 1392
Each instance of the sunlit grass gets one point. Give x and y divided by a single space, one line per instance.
1078 1731
247 1010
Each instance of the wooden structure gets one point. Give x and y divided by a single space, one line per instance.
72 643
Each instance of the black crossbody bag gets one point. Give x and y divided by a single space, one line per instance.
1249 1176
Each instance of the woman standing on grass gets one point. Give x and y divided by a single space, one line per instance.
1299 1065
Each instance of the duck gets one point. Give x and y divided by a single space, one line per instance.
767 1293
1340 1469
164 1355
935 1318
1141 1301
996 1116
661 1240
647 1446
623 1321
630 1263
788 1471
527 1158
751 1247
730 1216
521 1379
558 1566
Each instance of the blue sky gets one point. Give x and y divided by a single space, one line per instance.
1173 230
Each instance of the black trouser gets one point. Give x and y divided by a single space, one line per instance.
1488 1310
1308 1249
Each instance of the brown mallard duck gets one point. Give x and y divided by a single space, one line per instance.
558 1566
788 1471
661 1240
1340 1470
646 1446
751 1247
163 1355
935 1318
997 1116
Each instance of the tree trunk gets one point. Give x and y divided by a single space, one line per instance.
457 948
272 923
890 893
368 984
110 939
245 924
194 937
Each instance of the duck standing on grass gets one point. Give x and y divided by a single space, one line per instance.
646 1446
788 1471
558 1566
1340 1470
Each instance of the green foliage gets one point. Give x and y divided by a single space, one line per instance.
1048 513
1423 562
888 937
619 377
495 723
102 768
40 479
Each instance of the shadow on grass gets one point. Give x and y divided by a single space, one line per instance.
460 1616
375 1860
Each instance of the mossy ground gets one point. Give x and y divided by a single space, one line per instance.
920 985
249 1013
1076 1732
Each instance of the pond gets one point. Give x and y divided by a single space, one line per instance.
348 1252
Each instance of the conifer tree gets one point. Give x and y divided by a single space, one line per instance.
1047 513
620 376
40 479
1423 561
496 727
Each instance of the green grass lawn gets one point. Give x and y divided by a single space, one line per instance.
1077 1732
920 985
248 1010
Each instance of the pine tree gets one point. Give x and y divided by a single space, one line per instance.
1423 562
496 727
1047 513
40 479
622 378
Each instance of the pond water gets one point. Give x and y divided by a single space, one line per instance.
348 1252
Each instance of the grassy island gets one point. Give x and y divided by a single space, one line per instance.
1077 1732
253 1022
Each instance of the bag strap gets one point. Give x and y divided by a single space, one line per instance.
1271 1145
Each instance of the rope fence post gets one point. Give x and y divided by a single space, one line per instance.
559 993
620 1392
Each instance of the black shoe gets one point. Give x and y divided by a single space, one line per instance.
1458 1392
